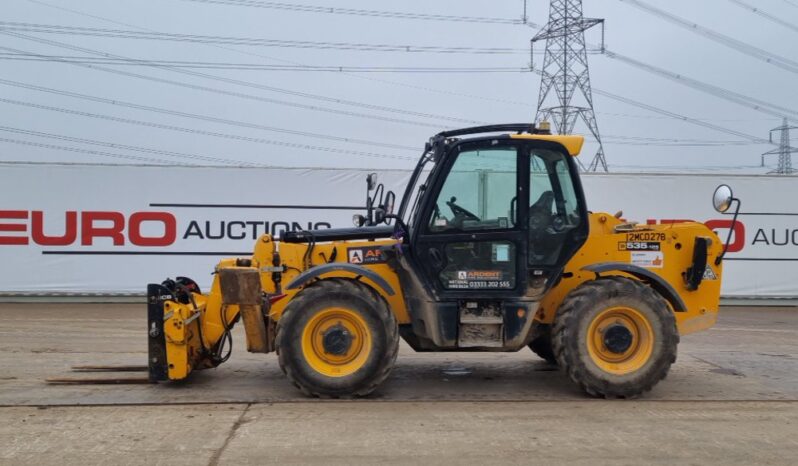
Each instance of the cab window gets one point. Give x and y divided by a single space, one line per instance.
554 208
479 192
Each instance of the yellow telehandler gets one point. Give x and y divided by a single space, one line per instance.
491 249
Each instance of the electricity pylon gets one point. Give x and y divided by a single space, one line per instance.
784 151
565 93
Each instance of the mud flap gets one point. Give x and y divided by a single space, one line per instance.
156 341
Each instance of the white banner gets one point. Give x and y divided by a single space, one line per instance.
113 229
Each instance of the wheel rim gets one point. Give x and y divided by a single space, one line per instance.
620 340
336 342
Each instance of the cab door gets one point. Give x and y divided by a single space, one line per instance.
471 241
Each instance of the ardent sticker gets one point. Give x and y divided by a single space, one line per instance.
367 255
480 279
649 260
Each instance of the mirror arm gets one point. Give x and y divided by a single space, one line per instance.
401 224
719 259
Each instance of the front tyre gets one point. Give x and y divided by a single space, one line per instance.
615 337
541 344
337 338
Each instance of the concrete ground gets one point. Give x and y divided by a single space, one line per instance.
731 398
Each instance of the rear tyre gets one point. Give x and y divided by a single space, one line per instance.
615 337
337 338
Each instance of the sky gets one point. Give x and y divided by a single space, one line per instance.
52 111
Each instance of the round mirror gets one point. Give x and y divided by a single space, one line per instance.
722 198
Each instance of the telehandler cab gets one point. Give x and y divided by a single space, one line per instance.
492 249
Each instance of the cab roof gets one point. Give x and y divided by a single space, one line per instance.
572 144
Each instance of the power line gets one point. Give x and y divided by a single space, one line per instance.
88 151
201 132
131 148
626 101
433 90
360 12
766 15
358 76
686 142
256 66
249 41
750 102
254 86
747 49
677 116
241 124
242 83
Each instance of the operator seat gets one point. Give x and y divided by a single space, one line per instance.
540 215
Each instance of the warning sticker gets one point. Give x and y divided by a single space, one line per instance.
368 255
709 274
650 260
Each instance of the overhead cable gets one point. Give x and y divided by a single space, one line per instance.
111 145
742 47
202 132
254 85
89 151
217 90
260 42
750 102
258 66
211 119
764 14
360 12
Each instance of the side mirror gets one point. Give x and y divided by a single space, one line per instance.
722 201
388 206
371 181
722 198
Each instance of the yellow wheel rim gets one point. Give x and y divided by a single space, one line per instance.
620 340
336 342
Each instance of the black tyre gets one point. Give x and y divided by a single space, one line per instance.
615 337
337 338
541 344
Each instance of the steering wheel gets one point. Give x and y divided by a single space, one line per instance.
460 211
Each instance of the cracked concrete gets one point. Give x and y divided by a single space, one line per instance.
731 398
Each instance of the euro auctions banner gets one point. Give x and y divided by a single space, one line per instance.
113 229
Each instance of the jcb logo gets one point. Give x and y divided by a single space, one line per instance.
88 226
